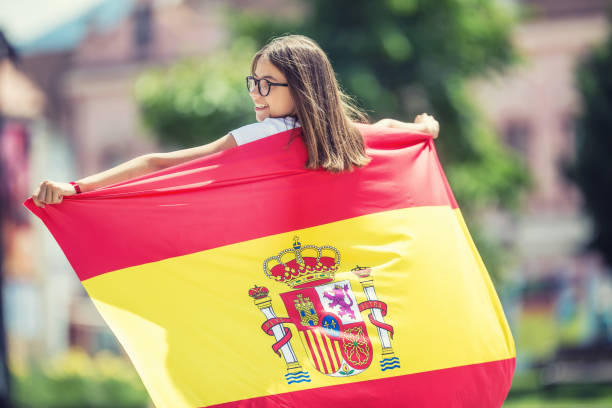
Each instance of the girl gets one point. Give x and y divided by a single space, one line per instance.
292 84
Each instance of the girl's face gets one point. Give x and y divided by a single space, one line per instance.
278 103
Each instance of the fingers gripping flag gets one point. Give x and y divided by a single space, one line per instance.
244 280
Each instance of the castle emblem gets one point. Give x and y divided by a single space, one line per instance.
325 313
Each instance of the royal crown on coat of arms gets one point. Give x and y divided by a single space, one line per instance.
303 266
325 312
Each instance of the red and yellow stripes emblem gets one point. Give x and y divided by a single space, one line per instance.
325 353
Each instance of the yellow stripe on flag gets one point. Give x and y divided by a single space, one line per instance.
321 341
330 348
311 349
337 347
192 314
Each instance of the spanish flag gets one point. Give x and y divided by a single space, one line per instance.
243 279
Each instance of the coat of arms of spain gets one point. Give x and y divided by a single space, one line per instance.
325 313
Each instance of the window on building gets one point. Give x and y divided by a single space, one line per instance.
568 130
516 135
143 28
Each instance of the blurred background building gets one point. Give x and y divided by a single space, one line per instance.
68 110
560 289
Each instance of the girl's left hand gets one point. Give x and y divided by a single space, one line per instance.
430 124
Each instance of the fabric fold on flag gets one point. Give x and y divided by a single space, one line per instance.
243 279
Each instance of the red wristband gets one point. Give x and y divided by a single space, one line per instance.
76 187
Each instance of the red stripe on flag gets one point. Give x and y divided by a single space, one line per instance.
316 342
329 356
335 350
312 352
251 191
484 385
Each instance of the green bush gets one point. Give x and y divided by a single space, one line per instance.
75 379
199 99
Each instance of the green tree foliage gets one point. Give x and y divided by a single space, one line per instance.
592 169
401 55
197 100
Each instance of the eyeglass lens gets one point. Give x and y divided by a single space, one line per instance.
264 85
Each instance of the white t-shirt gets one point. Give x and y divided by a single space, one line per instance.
259 130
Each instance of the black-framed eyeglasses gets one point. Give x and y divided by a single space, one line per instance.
263 85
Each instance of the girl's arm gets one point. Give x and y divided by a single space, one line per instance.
162 160
392 123
152 162
130 169
422 123
51 192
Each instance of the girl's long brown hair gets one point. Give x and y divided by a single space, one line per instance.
325 113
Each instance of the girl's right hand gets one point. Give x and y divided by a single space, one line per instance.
51 192
429 123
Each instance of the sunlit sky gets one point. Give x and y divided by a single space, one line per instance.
23 20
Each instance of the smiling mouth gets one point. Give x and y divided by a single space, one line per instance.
261 106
